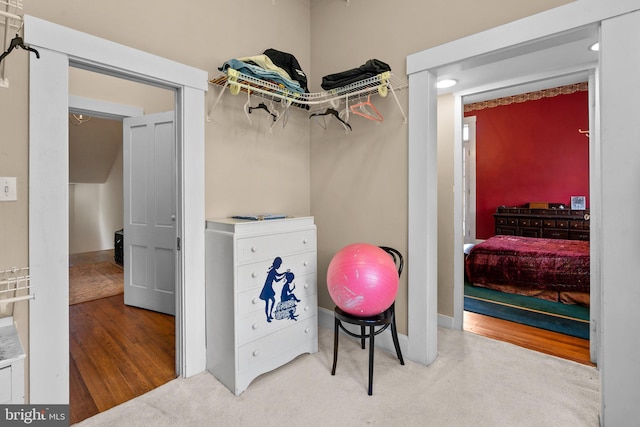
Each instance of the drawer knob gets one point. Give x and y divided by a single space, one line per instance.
306 285
254 274
306 330
305 263
254 249
255 326
306 308
255 353
305 241
255 300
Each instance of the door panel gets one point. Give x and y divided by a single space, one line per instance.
150 205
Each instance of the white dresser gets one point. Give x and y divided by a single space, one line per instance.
261 296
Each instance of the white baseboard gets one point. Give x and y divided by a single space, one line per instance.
445 321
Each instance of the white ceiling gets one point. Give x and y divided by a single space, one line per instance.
550 62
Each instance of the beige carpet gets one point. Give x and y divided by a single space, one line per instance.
474 382
88 282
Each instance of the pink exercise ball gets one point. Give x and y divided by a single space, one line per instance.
362 279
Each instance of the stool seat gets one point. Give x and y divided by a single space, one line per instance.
376 324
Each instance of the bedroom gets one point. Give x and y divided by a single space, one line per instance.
530 150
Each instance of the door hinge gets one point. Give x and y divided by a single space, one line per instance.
178 247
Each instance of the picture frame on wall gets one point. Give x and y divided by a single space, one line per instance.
578 202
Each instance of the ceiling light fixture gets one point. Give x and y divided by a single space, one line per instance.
595 47
79 119
446 83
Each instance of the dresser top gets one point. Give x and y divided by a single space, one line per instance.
253 226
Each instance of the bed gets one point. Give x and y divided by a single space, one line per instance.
552 269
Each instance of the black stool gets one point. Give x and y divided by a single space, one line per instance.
381 321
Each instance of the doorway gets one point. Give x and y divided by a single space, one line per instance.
525 155
48 196
113 346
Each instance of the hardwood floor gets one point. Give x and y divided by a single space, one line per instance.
564 346
116 352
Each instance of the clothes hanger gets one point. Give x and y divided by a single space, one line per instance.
285 112
276 116
367 110
332 112
263 106
16 42
246 107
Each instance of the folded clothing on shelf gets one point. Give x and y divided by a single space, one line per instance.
263 61
371 68
290 64
261 73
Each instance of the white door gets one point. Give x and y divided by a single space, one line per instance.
149 212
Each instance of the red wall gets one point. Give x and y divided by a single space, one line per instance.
530 152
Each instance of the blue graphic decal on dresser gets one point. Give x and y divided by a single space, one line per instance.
286 308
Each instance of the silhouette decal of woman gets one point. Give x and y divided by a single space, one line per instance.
268 294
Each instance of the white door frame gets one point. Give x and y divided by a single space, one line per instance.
499 43
48 195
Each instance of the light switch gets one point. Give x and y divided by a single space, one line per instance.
8 192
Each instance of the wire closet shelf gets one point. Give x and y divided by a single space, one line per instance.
15 286
10 22
237 82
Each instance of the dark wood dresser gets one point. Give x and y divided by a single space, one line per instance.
550 223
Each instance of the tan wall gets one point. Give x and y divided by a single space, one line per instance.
359 181
354 184
96 212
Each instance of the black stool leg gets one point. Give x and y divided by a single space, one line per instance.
363 336
396 343
371 347
335 346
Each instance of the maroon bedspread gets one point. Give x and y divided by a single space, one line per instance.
552 264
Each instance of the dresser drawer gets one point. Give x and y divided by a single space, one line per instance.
579 234
255 325
249 301
562 223
264 349
531 232
507 231
549 223
254 275
255 248
555 234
